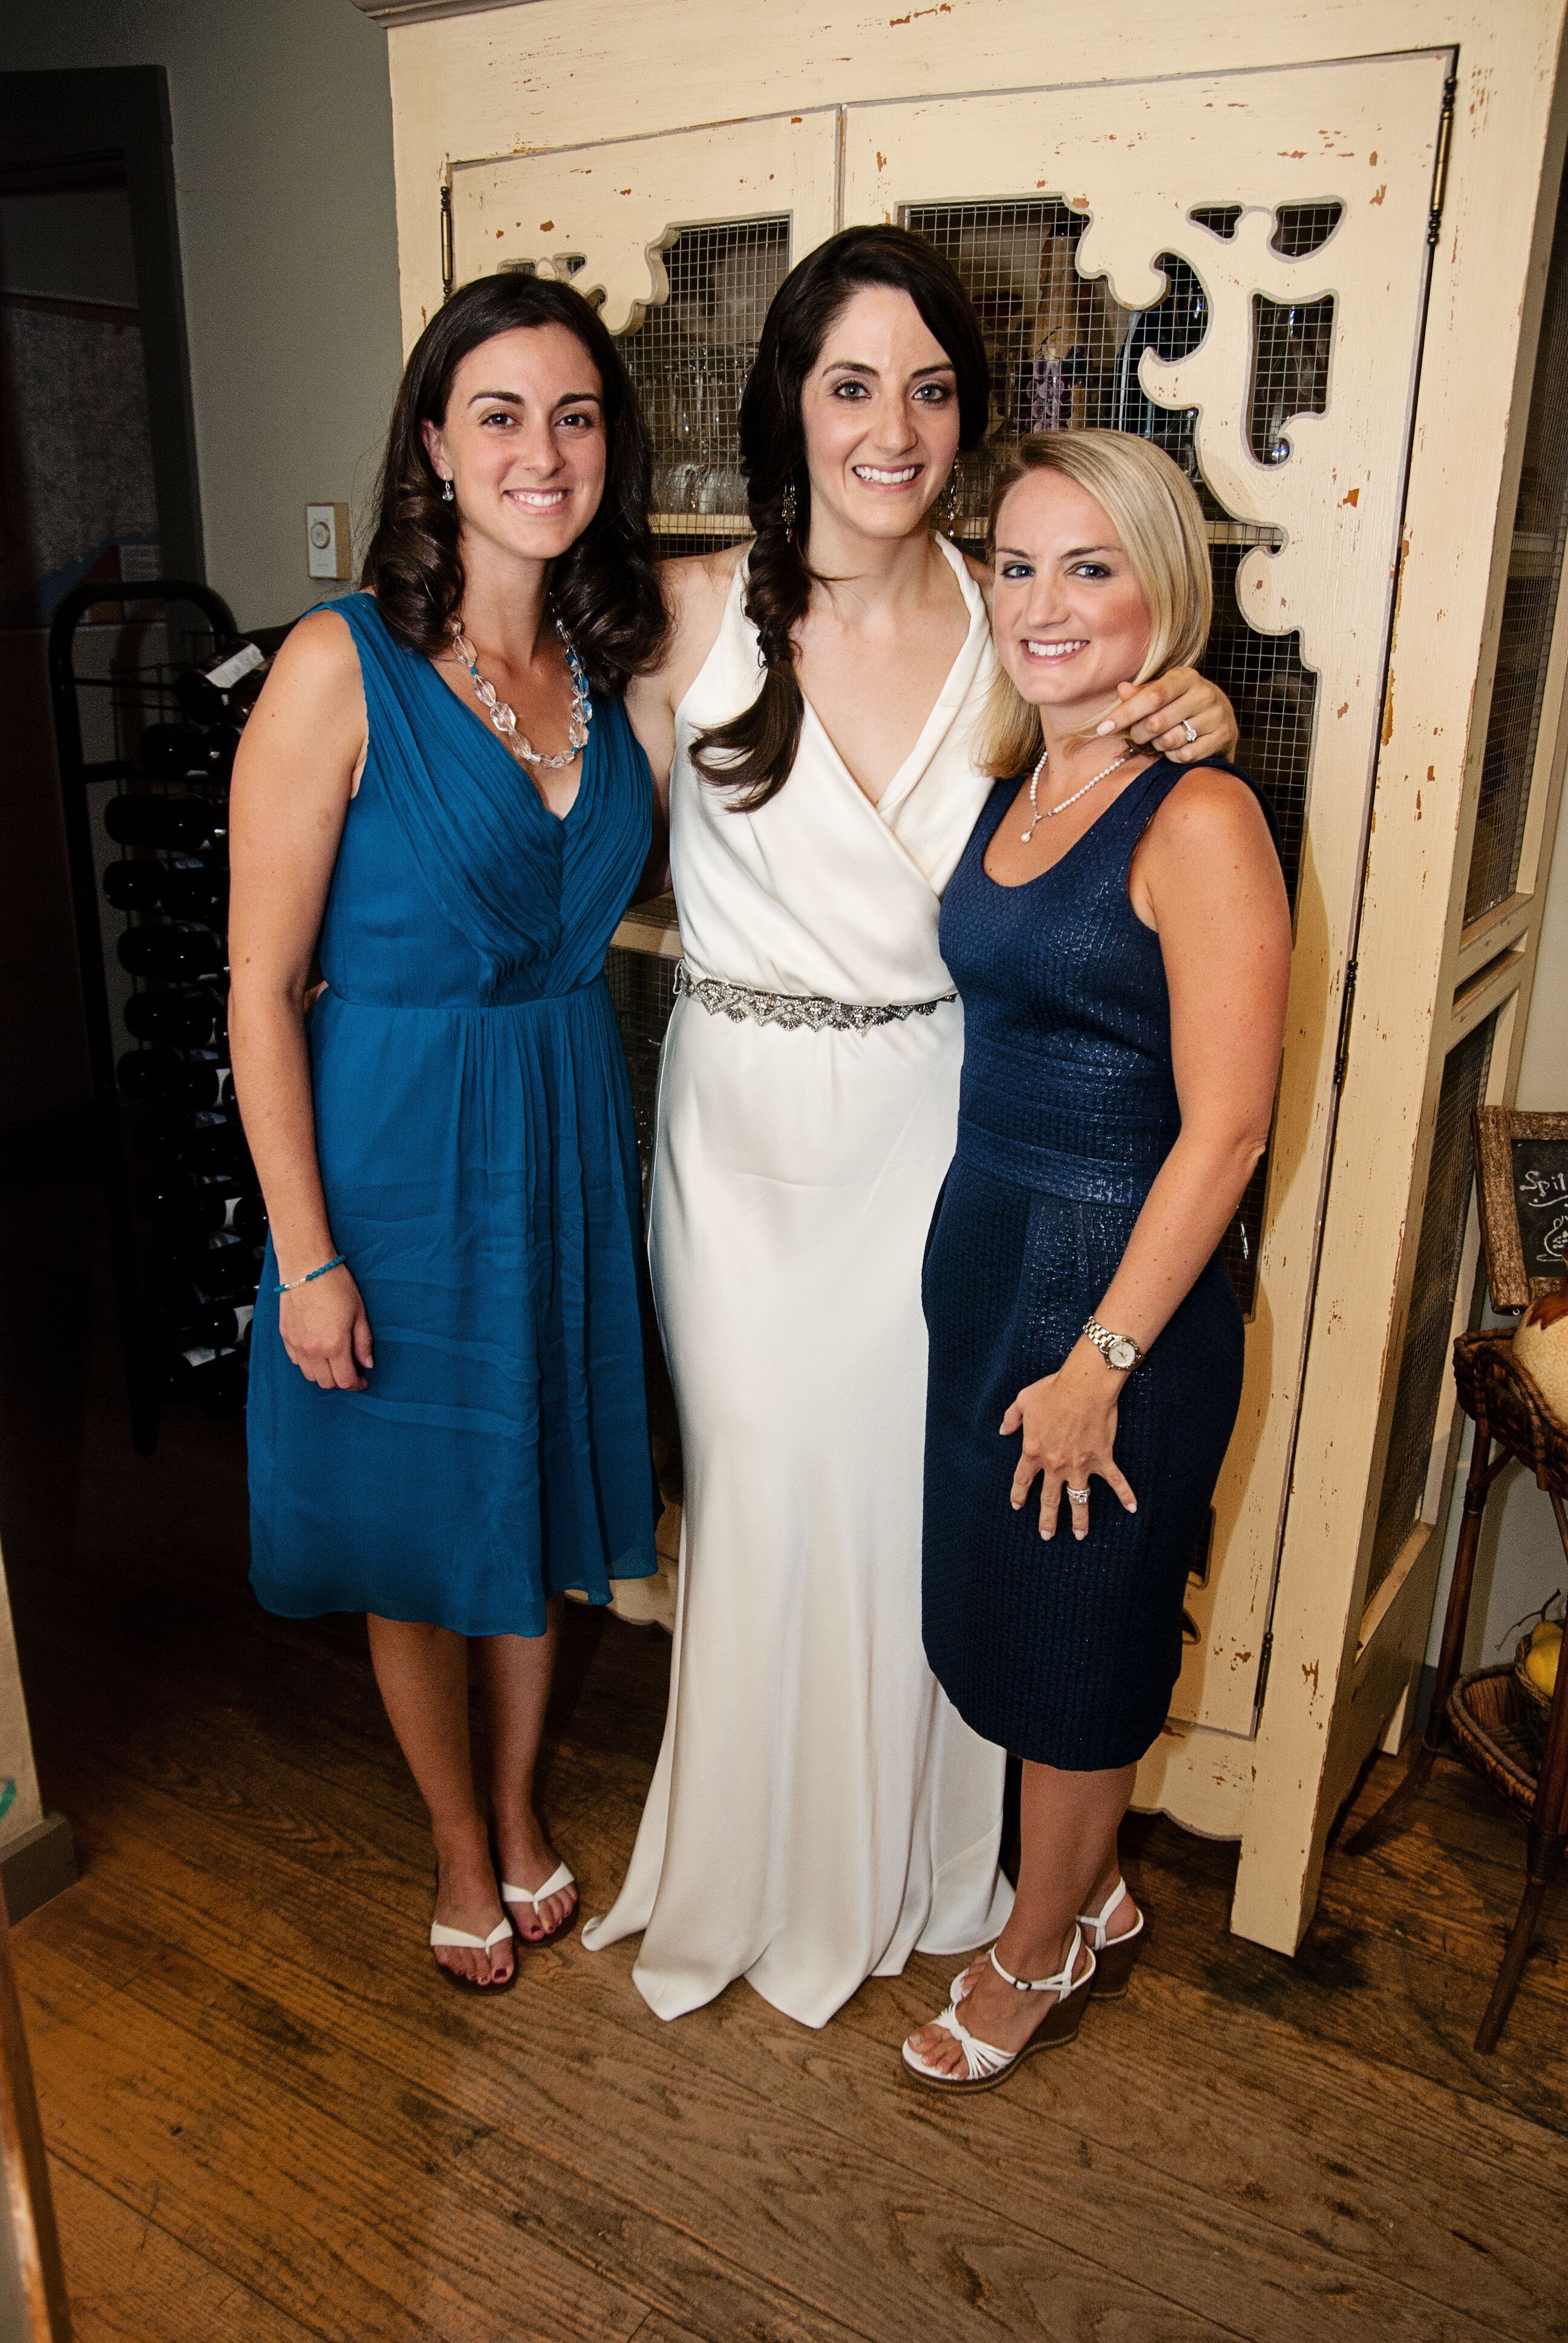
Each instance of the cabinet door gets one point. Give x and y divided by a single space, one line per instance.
1235 266
605 215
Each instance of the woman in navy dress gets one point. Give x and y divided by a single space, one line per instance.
1120 937
439 795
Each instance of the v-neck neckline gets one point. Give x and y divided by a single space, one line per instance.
943 708
520 774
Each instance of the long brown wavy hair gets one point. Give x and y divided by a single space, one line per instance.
604 588
753 754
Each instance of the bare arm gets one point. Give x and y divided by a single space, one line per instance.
294 775
1207 879
695 590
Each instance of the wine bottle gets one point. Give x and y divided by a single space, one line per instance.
214 1149
227 1384
218 754
172 1078
218 1268
187 889
132 886
184 1022
179 825
174 1200
248 1219
226 686
182 955
218 1378
225 1326
165 1136
171 750
155 1074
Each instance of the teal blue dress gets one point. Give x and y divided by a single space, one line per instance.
474 1128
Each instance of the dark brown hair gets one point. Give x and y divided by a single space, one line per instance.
753 753
604 587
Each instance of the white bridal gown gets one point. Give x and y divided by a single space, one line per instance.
819 1810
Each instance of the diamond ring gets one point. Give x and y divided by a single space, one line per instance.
1078 1496
1189 728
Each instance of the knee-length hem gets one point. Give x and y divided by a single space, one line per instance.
1065 1654
474 1137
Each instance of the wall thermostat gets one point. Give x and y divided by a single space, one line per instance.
327 540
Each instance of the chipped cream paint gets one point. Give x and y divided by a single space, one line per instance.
483 85
621 206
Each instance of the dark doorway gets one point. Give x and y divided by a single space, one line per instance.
97 480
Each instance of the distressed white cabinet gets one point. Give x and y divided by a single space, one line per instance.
1318 278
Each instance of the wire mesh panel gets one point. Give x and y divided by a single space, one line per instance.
1423 1357
1528 606
689 359
1065 356
642 987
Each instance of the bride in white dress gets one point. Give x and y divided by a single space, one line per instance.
819 1810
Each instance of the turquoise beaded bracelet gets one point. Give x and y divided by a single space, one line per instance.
338 1262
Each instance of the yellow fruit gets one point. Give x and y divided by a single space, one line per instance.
1545 1631
1541 1666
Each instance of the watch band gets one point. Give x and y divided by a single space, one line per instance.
1118 1350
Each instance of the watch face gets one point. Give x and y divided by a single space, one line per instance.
1123 1353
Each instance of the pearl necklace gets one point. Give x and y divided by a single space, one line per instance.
505 722
1048 813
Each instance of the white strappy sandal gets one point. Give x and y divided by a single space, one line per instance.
560 1878
459 1938
1115 1956
984 2065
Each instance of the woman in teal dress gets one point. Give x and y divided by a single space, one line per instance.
439 796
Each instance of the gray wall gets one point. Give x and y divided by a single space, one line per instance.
283 159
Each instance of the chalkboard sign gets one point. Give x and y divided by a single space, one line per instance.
1521 1160
1541 1194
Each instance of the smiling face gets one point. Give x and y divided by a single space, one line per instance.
523 441
880 410
1069 617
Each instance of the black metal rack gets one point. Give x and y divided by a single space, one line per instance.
139 696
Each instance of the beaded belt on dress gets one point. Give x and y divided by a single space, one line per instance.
794 1008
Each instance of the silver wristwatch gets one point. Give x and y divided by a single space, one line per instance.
1118 1350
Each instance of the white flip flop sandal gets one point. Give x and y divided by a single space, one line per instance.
984 2065
561 1877
459 1938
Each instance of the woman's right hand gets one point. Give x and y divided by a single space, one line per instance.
325 1331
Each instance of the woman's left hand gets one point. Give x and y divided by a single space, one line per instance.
1156 715
1069 1425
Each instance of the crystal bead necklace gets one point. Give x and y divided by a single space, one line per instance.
505 722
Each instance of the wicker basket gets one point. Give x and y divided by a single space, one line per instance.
1484 1717
1533 1706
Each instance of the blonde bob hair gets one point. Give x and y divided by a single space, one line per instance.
1153 508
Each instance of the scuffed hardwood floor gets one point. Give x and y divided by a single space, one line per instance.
269 2121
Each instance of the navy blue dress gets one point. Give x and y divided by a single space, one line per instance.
1063 1653
474 1128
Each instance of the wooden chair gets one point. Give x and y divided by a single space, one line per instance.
1511 1421
32 2303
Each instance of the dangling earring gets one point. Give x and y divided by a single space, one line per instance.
786 509
950 504
447 492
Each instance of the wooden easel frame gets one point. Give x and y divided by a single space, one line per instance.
1496 1129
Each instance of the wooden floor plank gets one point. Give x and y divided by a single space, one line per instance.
250 2070
131 2282
1214 2226
779 2194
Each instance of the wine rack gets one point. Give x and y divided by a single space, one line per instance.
147 830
